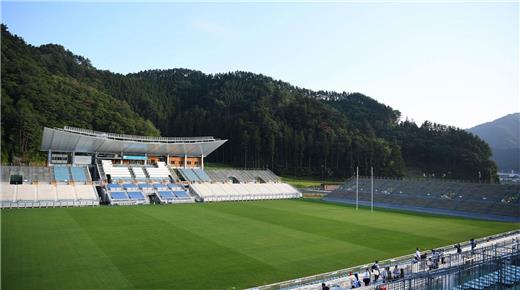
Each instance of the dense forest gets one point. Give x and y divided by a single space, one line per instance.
269 123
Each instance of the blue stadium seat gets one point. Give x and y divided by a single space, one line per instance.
61 173
119 195
144 185
166 195
114 186
181 194
136 195
78 174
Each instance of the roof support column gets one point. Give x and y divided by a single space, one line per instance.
185 160
202 161
49 157
168 159
73 155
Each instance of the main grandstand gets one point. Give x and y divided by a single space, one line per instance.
88 168
480 200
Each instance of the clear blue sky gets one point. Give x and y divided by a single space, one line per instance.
453 63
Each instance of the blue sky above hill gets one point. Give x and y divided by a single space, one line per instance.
453 63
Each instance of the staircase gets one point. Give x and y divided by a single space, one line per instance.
100 170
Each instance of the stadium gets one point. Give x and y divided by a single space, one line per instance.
114 211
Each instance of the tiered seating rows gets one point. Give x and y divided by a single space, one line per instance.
243 176
246 191
465 197
161 172
129 192
189 174
43 194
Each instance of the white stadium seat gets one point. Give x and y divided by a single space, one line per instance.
243 191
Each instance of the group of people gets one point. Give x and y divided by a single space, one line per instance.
437 256
374 273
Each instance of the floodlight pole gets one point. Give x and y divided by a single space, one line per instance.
357 186
372 189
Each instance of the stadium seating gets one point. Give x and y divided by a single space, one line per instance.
189 175
78 174
85 192
116 172
47 187
139 173
181 194
161 172
201 174
114 186
61 173
166 195
246 191
118 195
137 195
460 197
146 188
65 192
242 176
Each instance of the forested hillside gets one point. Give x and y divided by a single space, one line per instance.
269 123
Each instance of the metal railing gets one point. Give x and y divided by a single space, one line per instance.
137 138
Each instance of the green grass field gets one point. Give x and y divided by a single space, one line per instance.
202 246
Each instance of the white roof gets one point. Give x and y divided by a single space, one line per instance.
71 139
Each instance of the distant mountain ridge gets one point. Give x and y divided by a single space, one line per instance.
503 136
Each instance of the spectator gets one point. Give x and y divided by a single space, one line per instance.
396 273
375 270
429 263
385 274
417 255
473 244
324 286
459 249
435 258
366 277
355 283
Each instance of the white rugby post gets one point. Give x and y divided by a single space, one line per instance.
357 186
371 189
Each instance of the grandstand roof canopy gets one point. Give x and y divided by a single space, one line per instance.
71 139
